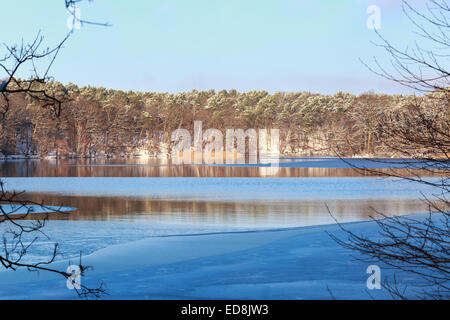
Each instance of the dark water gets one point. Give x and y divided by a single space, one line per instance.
287 167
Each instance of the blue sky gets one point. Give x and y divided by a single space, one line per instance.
180 45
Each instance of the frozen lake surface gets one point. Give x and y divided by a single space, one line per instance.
137 208
230 214
294 263
28 209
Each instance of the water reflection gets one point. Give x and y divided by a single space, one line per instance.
162 168
240 213
209 207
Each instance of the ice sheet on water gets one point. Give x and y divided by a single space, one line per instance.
21 209
86 237
337 163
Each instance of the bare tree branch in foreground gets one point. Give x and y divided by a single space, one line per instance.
15 245
18 60
420 136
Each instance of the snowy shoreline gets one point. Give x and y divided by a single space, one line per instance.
294 263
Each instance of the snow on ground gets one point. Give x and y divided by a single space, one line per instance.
296 263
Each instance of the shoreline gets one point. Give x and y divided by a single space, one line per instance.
282 156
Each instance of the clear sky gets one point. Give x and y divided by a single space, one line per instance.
180 45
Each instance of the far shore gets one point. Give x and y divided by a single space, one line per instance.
169 156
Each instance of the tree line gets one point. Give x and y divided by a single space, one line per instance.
95 121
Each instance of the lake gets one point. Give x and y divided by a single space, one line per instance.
301 192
